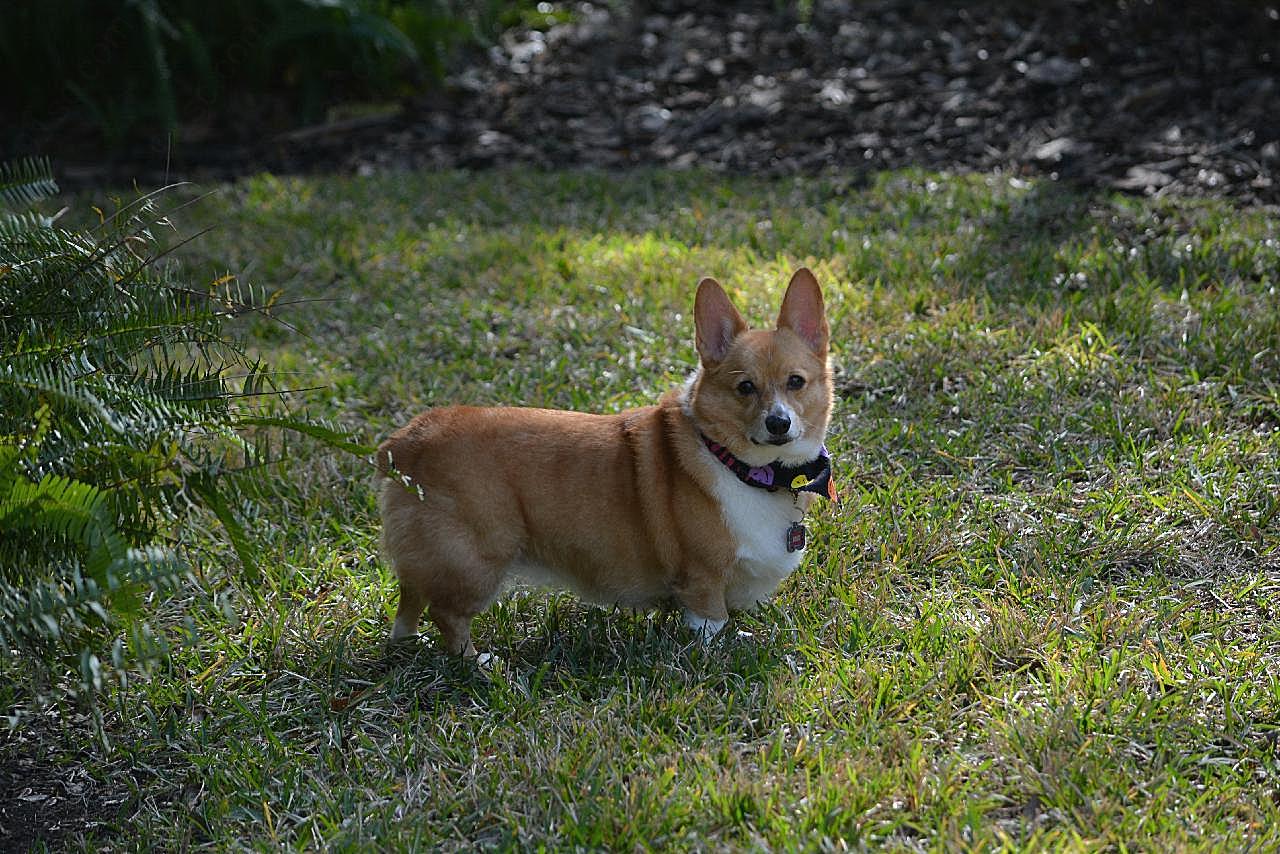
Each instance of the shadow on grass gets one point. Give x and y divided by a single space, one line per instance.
571 649
1024 240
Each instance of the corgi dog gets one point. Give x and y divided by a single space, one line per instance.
697 500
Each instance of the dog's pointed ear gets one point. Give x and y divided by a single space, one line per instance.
803 312
716 320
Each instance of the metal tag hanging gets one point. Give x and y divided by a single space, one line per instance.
795 537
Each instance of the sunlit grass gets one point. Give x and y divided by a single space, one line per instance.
1045 614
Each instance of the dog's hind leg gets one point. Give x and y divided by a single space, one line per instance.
413 600
451 595
446 567
455 631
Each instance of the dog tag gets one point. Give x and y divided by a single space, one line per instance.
795 537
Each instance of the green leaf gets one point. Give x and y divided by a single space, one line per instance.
331 437
206 488
26 181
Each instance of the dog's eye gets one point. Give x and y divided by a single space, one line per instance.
795 382
746 387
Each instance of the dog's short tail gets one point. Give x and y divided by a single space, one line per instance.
387 460
398 454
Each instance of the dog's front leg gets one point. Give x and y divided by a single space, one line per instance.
704 606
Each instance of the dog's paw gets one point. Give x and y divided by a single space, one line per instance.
405 645
402 631
705 628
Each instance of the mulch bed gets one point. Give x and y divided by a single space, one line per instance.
1156 98
46 798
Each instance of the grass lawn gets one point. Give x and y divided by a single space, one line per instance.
1047 613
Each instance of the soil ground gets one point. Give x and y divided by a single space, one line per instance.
1163 98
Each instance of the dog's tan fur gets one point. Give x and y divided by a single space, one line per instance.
619 508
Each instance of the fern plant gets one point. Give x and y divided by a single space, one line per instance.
123 408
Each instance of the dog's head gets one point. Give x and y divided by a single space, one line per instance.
765 395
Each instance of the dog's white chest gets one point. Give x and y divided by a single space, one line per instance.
758 520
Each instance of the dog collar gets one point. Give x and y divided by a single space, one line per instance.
814 476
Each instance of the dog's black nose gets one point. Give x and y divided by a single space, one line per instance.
777 425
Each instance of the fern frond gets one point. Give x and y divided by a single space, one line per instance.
50 609
11 225
133 407
124 407
26 181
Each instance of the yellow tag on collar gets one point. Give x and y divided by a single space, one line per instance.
799 481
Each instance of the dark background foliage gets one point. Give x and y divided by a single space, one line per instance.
117 71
